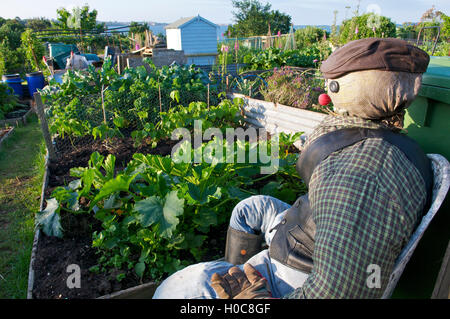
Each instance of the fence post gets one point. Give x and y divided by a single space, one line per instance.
207 98
44 126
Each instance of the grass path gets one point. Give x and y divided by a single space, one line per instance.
21 172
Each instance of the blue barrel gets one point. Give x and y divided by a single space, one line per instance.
15 82
35 81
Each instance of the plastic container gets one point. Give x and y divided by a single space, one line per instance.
427 119
15 82
35 81
427 122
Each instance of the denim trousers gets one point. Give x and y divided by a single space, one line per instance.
255 214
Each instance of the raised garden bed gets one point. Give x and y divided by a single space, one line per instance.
276 118
52 255
17 116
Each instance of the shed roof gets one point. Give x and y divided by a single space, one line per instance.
180 23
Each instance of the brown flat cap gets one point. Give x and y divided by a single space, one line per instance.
388 54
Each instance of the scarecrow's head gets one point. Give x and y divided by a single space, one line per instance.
373 78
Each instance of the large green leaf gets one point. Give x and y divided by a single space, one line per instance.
160 211
49 219
109 166
120 183
206 217
202 195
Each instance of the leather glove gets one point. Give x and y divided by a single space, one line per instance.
238 284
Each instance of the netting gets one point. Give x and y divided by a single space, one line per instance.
93 118
282 41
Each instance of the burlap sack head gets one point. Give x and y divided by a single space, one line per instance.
375 94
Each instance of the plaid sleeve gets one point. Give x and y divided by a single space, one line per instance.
366 200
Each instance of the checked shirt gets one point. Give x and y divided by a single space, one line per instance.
366 201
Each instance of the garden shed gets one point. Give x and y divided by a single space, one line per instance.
196 36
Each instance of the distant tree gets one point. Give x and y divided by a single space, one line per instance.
279 22
79 18
11 30
408 30
430 18
253 18
37 24
136 27
11 56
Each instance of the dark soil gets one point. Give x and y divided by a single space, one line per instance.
54 255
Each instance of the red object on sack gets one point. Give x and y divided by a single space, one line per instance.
324 99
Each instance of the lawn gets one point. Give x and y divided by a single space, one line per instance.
21 172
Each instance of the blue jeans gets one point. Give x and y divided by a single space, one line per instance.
257 213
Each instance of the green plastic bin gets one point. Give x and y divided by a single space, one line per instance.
427 121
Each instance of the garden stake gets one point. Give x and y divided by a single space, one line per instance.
103 104
207 98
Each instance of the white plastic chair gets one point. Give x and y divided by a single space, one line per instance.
441 183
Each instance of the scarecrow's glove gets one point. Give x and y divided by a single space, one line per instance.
238 284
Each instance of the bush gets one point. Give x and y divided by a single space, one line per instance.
8 100
288 87
442 48
308 57
366 26
34 51
309 36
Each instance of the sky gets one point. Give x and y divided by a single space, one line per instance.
309 12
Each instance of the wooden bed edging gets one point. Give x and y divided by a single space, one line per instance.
18 120
6 136
276 118
37 231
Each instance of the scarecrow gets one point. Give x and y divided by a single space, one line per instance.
368 186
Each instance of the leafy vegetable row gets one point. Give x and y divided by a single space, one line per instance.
157 214
102 102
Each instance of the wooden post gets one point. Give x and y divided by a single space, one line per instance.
207 98
103 104
34 56
44 126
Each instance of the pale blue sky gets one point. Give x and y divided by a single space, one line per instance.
313 12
